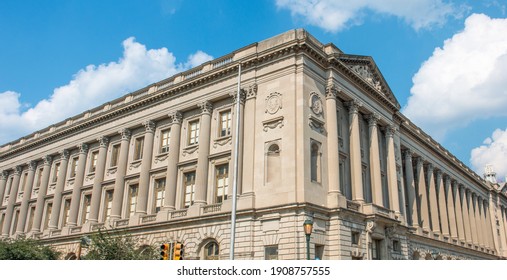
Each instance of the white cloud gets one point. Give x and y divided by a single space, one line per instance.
91 87
335 15
464 80
494 152
197 59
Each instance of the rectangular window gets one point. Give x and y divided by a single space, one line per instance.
73 167
49 208
93 161
9 186
193 132
133 192
138 148
222 182
396 246
25 179
319 252
271 252
15 222
56 172
355 238
159 195
225 123
189 185
85 214
66 210
115 153
39 177
31 215
376 249
165 137
108 205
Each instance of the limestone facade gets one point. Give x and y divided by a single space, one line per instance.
321 137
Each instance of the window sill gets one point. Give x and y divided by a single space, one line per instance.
190 149
222 141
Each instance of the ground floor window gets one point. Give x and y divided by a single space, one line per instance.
271 252
375 249
211 251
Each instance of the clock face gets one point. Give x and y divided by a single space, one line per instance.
316 104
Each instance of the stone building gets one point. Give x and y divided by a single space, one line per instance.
321 137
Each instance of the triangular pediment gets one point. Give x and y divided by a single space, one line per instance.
366 69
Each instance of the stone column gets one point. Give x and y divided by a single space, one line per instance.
201 176
355 151
39 205
451 211
249 142
392 177
3 182
489 227
409 180
60 184
471 215
98 179
435 223
27 193
376 181
466 217
423 197
477 221
481 203
144 176
492 220
442 205
504 219
78 184
9 211
121 171
459 212
333 154
172 161
240 146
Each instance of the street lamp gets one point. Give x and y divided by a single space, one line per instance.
308 227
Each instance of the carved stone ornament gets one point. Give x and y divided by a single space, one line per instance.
370 226
365 72
161 158
316 103
206 107
125 134
176 117
83 148
149 126
3 175
252 91
190 150
273 103
135 165
316 124
273 123
103 141
222 141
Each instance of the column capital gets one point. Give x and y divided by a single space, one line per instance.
64 154
83 148
252 91
32 165
4 174
373 119
176 117
438 172
391 130
331 91
206 107
407 153
353 106
18 169
430 167
447 179
149 125
242 96
125 134
419 161
47 159
103 141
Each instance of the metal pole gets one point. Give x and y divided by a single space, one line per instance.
235 182
308 247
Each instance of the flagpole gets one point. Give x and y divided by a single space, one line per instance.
235 176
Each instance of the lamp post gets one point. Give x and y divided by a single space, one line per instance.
308 227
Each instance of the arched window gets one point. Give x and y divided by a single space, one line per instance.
71 256
273 164
315 164
211 251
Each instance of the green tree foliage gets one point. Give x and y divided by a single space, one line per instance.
118 246
26 249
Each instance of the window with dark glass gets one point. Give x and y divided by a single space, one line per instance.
159 195
222 182
189 187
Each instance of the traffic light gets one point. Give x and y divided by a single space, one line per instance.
164 251
178 251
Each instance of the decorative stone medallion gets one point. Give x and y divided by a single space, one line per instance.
316 103
273 103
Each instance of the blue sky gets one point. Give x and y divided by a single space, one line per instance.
443 59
